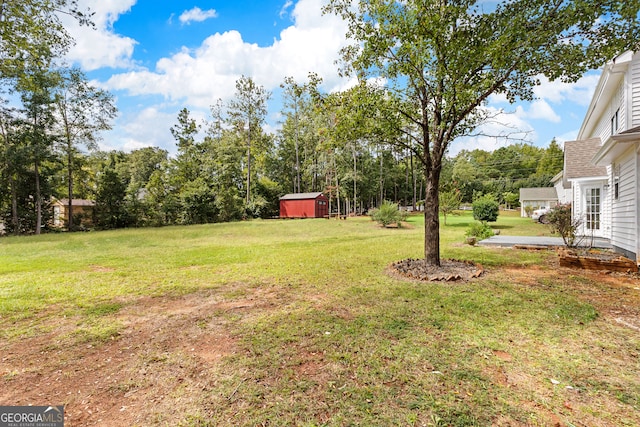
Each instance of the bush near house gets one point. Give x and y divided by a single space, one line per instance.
562 222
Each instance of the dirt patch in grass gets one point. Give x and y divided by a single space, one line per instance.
100 269
157 369
616 296
449 270
169 363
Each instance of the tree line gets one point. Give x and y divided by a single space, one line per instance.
228 167
437 65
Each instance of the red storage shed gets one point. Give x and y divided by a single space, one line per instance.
304 205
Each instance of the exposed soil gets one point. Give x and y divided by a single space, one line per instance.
616 296
165 359
449 270
168 356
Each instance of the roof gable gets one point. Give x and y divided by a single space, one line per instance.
301 196
538 193
74 202
578 156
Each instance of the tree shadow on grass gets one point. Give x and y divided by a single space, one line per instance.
457 225
502 227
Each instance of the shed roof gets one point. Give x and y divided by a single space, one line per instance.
74 202
301 196
538 193
578 156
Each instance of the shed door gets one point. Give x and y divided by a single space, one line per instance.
322 209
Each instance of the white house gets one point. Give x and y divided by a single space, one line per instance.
605 192
537 197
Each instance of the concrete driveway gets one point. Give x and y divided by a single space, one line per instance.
539 241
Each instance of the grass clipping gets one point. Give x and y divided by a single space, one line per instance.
450 270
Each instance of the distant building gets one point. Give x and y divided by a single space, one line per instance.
80 208
304 205
537 197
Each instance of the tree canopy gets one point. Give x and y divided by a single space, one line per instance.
443 59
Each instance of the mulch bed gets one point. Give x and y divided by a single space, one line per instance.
449 270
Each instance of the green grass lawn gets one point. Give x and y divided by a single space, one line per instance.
315 332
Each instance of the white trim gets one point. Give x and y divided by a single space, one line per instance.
614 147
610 77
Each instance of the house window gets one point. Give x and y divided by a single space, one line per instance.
614 122
593 209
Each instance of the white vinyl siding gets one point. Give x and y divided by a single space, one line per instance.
617 104
624 228
634 101
564 195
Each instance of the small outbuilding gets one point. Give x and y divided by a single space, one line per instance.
80 208
304 205
537 197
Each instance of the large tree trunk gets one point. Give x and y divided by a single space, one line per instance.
413 182
432 220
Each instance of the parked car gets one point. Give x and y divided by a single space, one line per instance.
540 215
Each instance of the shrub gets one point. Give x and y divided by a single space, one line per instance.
528 210
486 209
479 230
387 214
561 221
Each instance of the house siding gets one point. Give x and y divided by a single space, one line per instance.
603 128
625 229
577 200
634 102
607 198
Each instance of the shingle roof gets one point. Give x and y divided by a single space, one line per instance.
300 196
77 202
578 156
538 193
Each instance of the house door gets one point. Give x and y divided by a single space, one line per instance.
593 211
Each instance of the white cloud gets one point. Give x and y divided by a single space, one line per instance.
567 136
145 128
540 110
285 8
199 76
197 15
99 46
579 92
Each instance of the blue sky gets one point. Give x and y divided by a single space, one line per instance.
158 57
